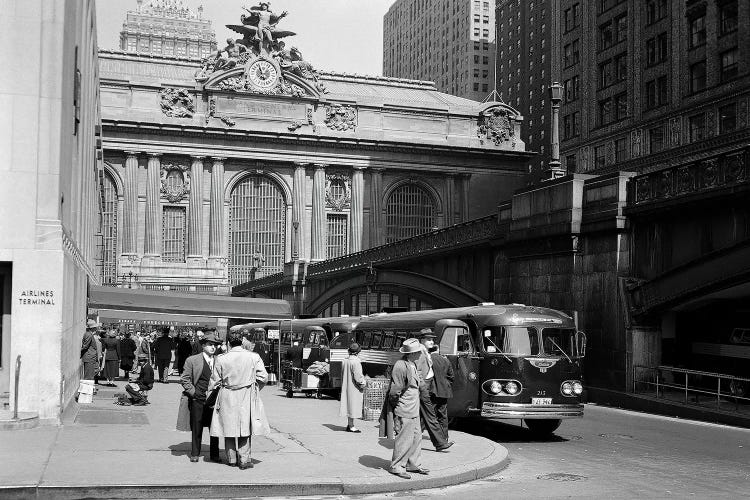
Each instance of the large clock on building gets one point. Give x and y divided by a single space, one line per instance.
263 74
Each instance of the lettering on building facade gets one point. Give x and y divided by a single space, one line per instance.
37 297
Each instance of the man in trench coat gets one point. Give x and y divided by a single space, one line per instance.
238 413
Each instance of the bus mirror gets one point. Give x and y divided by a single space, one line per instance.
491 348
581 342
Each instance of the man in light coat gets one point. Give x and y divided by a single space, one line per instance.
238 413
352 385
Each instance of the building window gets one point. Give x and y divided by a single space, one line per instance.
729 66
656 49
484 87
656 92
193 51
144 46
608 4
728 17
727 118
571 164
173 234
571 53
621 149
697 127
613 32
476 86
655 10
612 109
571 125
169 48
257 229
410 211
476 59
600 156
132 44
698 76
656 139
485 60
337 243
156 47
613 70
109 230
572 17
571 87
697 31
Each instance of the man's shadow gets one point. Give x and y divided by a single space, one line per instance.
182 449
336 428
374 462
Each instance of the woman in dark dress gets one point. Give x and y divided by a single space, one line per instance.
111 363
127 353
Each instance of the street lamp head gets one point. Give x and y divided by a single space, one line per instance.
555 93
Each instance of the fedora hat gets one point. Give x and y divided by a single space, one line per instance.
354 348
92 323
210 337
409 346
426 333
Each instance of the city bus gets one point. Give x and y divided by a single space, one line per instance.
510 361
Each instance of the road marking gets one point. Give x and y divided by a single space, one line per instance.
667 418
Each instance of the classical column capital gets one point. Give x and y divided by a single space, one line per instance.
197 157
361 168
219 159
132 154
377 170
154 155
301 164
320 166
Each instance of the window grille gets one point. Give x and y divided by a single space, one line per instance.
109 230
257 229
410 211
336 244
173 234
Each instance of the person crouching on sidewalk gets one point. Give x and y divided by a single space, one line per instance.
195 413
138 390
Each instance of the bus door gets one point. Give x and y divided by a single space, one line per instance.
314 346
454 339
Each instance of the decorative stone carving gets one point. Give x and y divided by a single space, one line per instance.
636 137
709 173
310 119
294 125
742 114
174 192
341 201
675 125
684 180
212 113
177 103
735 168
496 125
710 123
340 117
584 159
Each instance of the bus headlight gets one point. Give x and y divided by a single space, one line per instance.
511 388
577 388
567 388
495 387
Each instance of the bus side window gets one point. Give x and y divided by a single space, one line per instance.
463 341
366 340
390 338
448 342
376 337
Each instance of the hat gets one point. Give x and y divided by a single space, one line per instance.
91 323
409 346
210 337
354 348
426 333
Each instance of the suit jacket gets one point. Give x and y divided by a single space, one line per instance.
88 348
163 347
442 382
190 375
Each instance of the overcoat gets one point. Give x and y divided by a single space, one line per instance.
352 385
239 410
188 379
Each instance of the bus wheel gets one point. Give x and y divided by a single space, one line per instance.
290 393
543 427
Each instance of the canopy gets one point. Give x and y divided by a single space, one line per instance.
186 308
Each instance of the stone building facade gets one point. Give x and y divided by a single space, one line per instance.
49 227
450 42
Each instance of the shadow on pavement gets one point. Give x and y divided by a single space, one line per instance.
386 443
502 432
182 449
336 428
374 462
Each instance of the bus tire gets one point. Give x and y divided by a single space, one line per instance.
290 393
543 427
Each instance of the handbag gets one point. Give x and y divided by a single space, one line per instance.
211 398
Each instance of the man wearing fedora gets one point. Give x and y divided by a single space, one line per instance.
427 413
89 355
195 413
403 399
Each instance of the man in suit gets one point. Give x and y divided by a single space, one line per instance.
162 348
195 378
441 389
89 351
427 415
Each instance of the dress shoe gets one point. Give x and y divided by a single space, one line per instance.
352 429
248 465
445 446
194 459
402 475
422 471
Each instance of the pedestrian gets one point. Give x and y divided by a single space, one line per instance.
427 415
403 406
89 356
111 362
98 338
441 389
184 350
352 385
127 354
238 413
138 390
162 348
197 347
195 413
144 350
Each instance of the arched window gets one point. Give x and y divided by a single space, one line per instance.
109 230
257 223
410 211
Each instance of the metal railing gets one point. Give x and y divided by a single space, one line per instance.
691 386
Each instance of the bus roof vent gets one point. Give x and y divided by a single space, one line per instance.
515 304
344 316
485 304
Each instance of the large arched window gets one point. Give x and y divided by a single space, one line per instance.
109 230
257 217
410 211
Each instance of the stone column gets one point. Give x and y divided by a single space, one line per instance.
298 211
319 213
195 230
376 207
450 200
356 216
130 205
464 207
216 224
152 243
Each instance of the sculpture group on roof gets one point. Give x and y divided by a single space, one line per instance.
261 38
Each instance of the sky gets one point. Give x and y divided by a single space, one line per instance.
333 35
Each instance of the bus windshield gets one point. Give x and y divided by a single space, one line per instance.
559 342
515 340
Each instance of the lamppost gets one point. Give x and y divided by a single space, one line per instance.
130 277
555 169
295 243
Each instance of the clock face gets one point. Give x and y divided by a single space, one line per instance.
263 74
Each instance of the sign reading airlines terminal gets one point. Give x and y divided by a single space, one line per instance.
37 297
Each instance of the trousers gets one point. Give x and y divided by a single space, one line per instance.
238 449
441 413
407 447
429 420
89 369
198 410
162 365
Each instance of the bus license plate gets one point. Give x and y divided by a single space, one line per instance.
541 401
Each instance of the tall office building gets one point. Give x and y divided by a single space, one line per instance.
450 42
645 82
167 28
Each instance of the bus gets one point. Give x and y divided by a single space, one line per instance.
510 361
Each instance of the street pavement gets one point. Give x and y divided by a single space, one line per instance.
110 451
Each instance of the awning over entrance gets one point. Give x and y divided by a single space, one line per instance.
187 308
156 319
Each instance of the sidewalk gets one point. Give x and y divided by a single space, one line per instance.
110 451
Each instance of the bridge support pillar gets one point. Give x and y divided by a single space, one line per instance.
295 273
